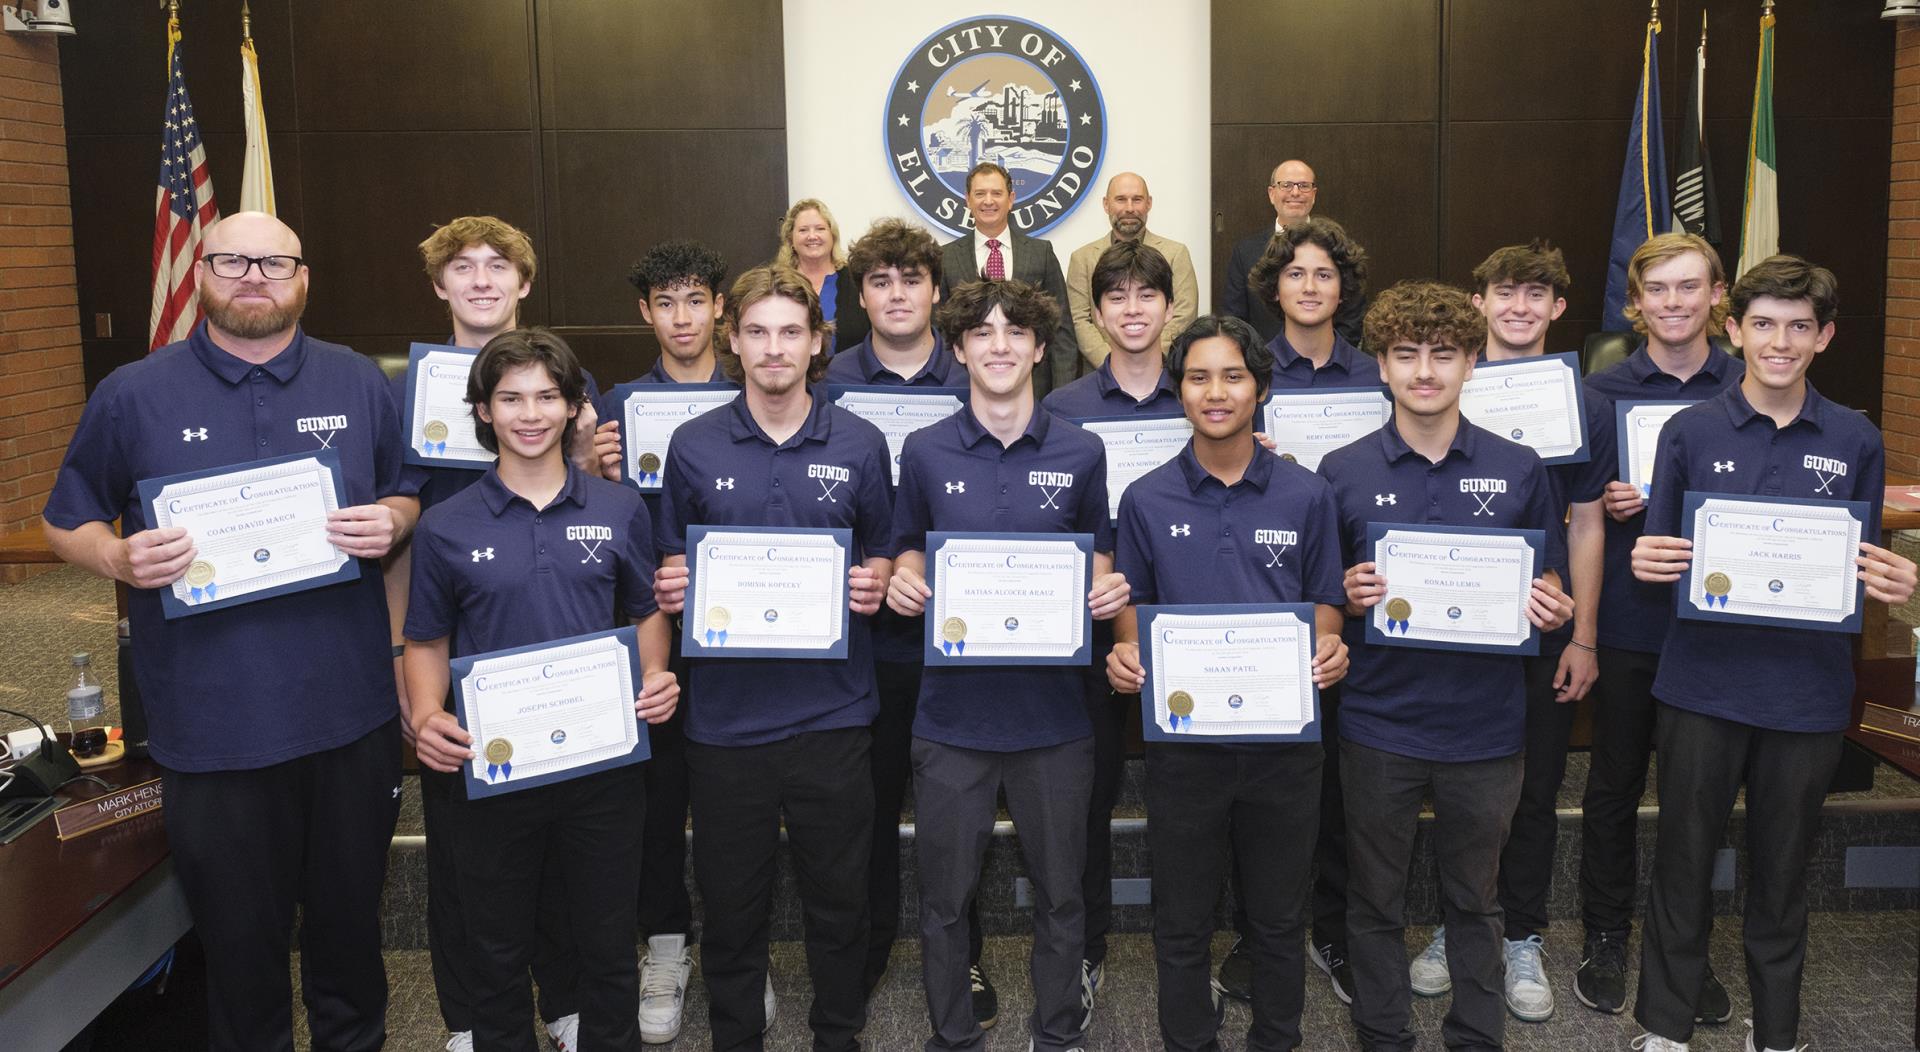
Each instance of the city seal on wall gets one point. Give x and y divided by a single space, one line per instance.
1001 89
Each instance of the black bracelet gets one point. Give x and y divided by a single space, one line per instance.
1583 646
399 649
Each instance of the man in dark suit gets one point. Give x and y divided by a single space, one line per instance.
1292 190
997 251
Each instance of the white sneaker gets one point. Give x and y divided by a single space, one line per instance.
1529 995
460 1041
770 1003
664 971
1091 976
1751 1047
1428 972
1656 1043
565 1033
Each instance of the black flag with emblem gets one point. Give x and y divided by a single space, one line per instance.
1695 210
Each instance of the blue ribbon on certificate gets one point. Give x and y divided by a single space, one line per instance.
202 594
1179 723
648 478
951 648
716 638
1716 600
499 770
1397 626
434 449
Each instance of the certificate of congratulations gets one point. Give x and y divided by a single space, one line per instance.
649 415
1773 561
550 712
898 411
1455 587
1228 673
260 530
1009 599
1639 425
1135 446
765 592
440 428
1533 401
1308 423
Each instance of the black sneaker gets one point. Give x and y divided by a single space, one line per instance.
1601 982
1331 958
986 1003
1236 973
1715 1006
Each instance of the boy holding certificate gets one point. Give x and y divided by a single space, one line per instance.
1315 275
1448 722
482 267
1002 464
1760 704
1676 299
791 739
1132 300
1228 522
1521 289
896 266
495 568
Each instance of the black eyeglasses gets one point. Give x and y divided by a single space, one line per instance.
1293 185
234 265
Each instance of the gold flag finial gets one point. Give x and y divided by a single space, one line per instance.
1703 27
1653 15
1766 7
246 22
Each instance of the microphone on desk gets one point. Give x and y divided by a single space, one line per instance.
41 772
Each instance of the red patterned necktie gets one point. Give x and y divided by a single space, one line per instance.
996 263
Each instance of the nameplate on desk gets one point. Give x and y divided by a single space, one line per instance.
91 816
1892 722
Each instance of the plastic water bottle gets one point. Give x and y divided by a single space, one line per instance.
86 710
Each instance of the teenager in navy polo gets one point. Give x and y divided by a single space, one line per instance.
534 552
273 721
1441 722
1521 290
482 267
1190 532
981 730
1132 289
1315 276
1675 299
1759 706
895 266
679 283
791 739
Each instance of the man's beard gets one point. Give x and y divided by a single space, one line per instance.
251 323
1129 227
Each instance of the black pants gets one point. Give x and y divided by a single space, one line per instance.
1610 810
1107 712
1261 801
665 908
249 846
1472 806
506 843
1329 845
898 684
1526 866
822 783
449 949
1703 763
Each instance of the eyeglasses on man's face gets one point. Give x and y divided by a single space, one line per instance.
234 265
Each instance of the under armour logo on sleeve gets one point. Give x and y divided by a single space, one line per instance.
479 555
1184 529
956 487
1381 500
1722 466
726 483
190 434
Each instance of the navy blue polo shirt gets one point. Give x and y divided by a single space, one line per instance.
955 475
1099 394
493 572
1787 679
271 680
1633 613
1438 704
858 365
439 483
723 470
1347 366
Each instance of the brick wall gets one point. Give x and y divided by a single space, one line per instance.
1900 407
42 385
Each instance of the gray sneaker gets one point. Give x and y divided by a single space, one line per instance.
1529 995
1428 972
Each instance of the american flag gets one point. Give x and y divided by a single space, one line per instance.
183 207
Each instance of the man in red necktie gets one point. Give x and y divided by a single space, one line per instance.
998 251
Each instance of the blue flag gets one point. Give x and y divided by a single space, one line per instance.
1643 210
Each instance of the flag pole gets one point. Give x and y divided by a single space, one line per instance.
246 23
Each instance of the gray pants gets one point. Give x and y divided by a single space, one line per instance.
955 793
1473 805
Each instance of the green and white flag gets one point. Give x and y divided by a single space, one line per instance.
1760 216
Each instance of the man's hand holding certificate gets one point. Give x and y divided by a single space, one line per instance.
1009 599
766 592
1456 588
255 530
1768 561
634 448
1228 673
